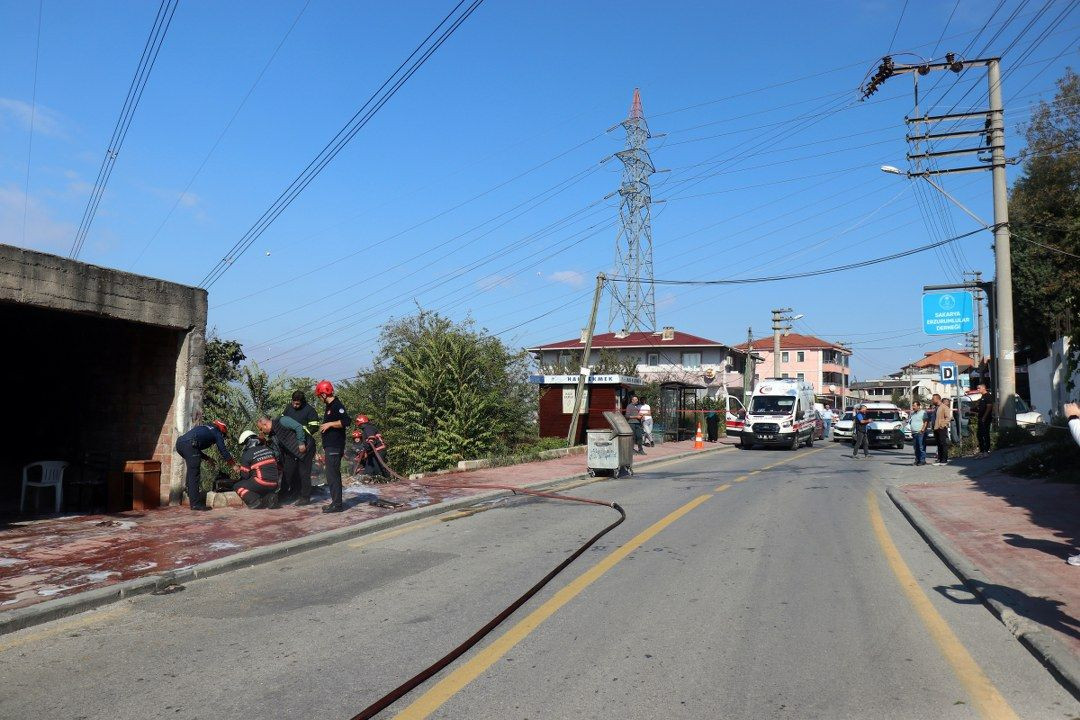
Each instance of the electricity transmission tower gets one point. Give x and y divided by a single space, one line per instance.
633 299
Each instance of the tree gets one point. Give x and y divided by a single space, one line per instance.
450 392
1044 215
221 363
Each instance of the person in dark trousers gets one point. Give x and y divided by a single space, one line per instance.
712 424
861 437
634 416
942 420
370 449
984 411
285 438
298 472
335 419
190 446
259 474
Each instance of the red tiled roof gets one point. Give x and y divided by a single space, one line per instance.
934 358
792 341
632 340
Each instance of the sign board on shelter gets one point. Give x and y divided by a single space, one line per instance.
948 313
948 374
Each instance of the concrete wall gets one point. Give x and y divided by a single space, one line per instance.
127 349
1048 381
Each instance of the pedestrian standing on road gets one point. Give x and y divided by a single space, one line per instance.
917 423
190 446
984 411
298 473
861 436
826 420
633 416
335 419
942 420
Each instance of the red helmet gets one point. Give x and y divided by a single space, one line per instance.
362 419
357 435
324 388
221 427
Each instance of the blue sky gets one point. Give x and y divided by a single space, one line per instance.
480 188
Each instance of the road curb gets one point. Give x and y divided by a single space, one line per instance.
1061 662
22 618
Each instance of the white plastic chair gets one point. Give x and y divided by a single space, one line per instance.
52 475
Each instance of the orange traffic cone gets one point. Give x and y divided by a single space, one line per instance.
699 442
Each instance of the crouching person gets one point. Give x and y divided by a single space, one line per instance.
259 474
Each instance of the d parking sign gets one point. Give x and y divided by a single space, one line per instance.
948 373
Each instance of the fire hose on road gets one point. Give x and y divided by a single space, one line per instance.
399 692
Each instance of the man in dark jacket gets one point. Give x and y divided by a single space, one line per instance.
298 471
984 411
335 421
259 473
190 446
286 439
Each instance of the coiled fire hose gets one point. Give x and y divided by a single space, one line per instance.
406 687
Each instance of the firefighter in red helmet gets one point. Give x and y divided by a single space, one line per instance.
190 446
335 421
370 450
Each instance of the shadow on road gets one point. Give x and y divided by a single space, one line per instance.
1044 611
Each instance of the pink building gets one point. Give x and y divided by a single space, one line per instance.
825 365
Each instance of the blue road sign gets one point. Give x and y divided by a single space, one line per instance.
948 373
948 313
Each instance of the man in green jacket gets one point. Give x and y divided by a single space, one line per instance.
287 439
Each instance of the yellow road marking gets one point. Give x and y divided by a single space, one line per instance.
462 676
65 626
754 472
722 488
741 478
796 456
408 527
984 696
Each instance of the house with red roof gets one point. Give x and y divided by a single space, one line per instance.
713 368
825 365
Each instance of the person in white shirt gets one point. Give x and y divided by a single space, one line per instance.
646 422
1072 412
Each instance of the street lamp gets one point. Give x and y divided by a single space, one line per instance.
893 170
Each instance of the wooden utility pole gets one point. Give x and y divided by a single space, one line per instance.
583 371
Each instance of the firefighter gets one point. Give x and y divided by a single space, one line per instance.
286 439
335 420
258 473
298 473
190 446
371 449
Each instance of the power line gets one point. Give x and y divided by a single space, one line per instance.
258 78
149 56
368 110
897 28
812 273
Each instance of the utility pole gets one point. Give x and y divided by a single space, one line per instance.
583 372
993 130
780 324
845 362
750 367
976 277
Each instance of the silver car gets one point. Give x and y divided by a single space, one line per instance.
844 427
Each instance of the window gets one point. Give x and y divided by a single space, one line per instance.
653 359
800 356
566 358
784 356
784 376
691 360
800 376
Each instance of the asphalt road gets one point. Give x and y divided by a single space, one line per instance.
778 596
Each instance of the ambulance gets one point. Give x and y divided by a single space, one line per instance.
781 412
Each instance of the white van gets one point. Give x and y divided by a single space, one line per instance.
781 412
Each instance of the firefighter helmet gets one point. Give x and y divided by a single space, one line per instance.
221 427
245 436
324 389
357 435
362 419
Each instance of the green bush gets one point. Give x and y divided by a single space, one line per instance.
1056 458
1013 437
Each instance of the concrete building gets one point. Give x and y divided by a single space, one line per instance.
99 364
825 365
666 356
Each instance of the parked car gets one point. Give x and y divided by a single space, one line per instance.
1026 417
886 426
844 427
